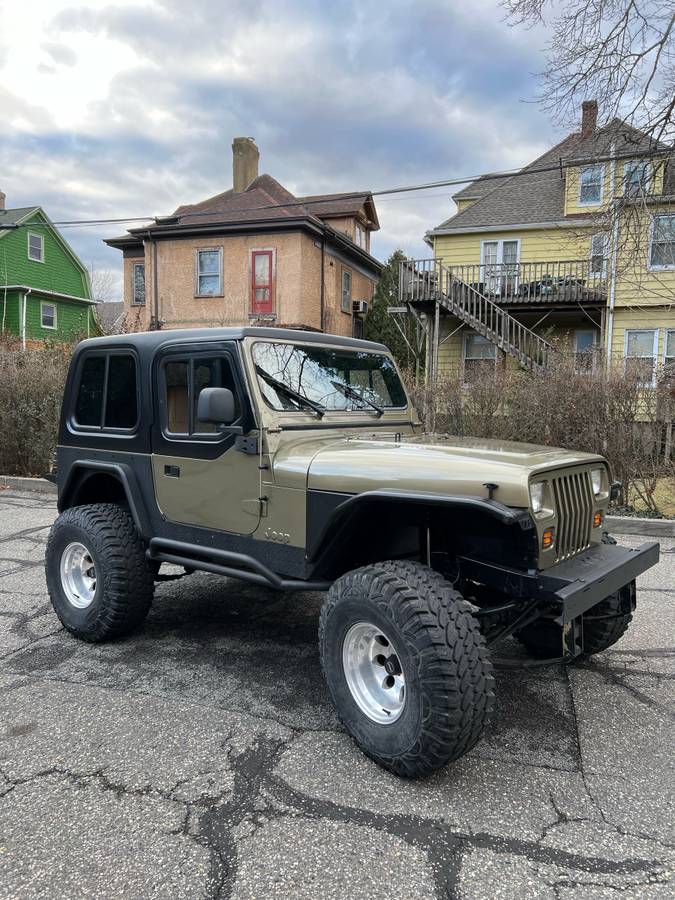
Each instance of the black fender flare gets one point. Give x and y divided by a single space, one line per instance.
353 504
82 469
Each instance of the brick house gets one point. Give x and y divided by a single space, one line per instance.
253 254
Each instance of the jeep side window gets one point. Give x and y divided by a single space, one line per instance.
106 394
184 380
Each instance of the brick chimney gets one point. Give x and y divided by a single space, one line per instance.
245 156
2 200
589 117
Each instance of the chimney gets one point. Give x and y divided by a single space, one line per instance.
245 156
2 200
589 117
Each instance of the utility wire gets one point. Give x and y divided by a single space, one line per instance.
560 166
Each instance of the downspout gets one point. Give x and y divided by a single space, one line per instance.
23 318
323 279
614 256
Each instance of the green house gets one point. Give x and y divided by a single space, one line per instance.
45 293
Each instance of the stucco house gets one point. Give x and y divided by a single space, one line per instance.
254 253
45 293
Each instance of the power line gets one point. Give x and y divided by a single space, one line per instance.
560 166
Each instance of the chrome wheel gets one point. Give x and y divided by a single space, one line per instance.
373 673
78 575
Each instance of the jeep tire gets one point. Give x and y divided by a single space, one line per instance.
98 578
406 665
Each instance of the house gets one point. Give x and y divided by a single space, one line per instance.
255 253
44 288
110 316
576 249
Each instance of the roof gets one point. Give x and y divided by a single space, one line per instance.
13 216
46 292
533 197
110 314
150 340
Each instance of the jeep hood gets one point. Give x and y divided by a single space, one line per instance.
443 464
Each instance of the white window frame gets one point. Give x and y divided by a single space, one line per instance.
344 272
602 185
500 277
635 164
361 235
652 266
219 251
655 351
665 358
468 335
41 238
134 301
605 253
44 303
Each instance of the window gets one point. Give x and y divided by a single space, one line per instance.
585 341
346 291
590 185
262 282
287 373
184 379
641 349
48 315
360 235
669 353
598 255
209 265
138 298
107 395
36 247
662 246
480 357
500 266
637 177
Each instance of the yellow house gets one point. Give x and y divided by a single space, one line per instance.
576 249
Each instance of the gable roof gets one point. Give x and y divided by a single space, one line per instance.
14 216
533 197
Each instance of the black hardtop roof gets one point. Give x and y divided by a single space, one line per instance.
149 341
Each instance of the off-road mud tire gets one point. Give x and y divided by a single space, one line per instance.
124 584
448 673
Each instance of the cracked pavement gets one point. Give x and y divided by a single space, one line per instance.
202 758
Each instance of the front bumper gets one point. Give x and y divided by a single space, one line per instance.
571 587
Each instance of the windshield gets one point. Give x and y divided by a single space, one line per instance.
332 379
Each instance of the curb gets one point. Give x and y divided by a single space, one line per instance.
636 525
35 485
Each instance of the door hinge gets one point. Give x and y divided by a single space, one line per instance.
245 444
256 507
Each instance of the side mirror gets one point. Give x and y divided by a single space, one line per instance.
216 405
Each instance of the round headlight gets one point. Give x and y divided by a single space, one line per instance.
537 496
596 481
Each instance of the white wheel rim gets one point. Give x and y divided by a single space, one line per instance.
373 673
78 575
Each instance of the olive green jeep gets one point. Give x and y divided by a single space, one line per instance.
295 461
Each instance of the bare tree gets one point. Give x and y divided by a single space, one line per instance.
620 52
104 284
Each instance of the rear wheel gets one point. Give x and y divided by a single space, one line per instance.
98 578
406 665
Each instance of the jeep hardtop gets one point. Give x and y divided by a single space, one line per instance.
296 461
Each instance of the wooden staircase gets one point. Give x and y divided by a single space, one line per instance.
429 286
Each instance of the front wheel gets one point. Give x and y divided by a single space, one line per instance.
406 665
98 578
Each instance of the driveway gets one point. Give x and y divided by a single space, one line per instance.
202 758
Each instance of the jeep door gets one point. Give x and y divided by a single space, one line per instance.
204 476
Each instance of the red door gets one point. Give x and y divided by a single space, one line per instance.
262 287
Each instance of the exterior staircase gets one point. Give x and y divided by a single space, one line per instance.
428 285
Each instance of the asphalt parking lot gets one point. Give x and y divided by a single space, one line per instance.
202 758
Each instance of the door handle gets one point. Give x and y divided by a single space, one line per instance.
172 471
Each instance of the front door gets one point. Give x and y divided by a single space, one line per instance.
499 260
203 476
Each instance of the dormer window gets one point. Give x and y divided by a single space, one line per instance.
360 235
590 185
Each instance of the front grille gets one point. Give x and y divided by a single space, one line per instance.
573 496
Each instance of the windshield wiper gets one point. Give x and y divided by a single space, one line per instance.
353 394
289 392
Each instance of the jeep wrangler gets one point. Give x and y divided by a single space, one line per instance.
295 461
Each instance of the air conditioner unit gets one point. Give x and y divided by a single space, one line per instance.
360 307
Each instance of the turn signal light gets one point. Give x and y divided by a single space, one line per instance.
597 519
547 538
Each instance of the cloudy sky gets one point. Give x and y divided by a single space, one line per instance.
129 107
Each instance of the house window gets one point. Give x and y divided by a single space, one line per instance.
500 266
598 255
139 285
360 235
262 282
662 246
209 271
107 393
641 350
36 247
480 357
48 315
590 185
636 178
669 353
585 342
346 291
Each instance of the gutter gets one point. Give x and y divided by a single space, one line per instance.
45 293
531 226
